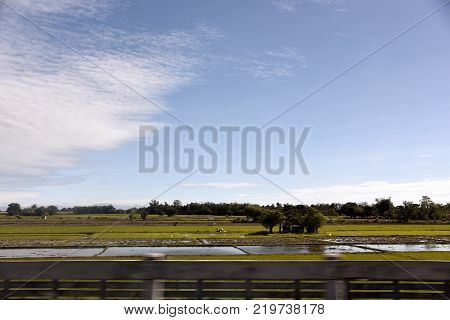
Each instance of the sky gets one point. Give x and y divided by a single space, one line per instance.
79 77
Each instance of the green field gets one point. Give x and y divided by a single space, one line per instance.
123 218
70 230
203 231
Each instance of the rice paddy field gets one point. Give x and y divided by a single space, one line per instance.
61 231
69 230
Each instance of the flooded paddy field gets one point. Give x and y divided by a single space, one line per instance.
217 250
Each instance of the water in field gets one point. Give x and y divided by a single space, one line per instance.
139 251
325 249
49 252
409 247
205 250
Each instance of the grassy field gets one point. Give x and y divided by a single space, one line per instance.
122 218
44 231
69 230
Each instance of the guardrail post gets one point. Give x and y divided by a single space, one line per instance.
335 289
154 288
447 290
5 291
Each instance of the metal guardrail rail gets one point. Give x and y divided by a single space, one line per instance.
156 278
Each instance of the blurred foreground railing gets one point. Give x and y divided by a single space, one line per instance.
155 278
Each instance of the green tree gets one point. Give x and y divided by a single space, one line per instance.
367 210
408 211
143 212
252 212
13 209
440 213
384 207
270 218
170 211
32 209
41 211
132 214
352 210
427 208
52 210
293 221
313 220
154 208
177 203
176 208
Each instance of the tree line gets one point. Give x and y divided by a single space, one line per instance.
383 208
14 209
425 210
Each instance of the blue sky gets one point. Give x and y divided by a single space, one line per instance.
69 131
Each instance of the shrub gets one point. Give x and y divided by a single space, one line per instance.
313 220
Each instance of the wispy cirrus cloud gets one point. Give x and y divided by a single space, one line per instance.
67 7
55 103
286 5
272 64
289 6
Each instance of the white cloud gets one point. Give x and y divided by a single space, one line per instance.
286 5
289 6
219 185
377 158
121 203
266 70
67 7
55 104
426 155
288 53
272 64
438 190
7 197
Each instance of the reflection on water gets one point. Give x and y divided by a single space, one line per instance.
301 249
49 252
409 247
138 251
204 250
